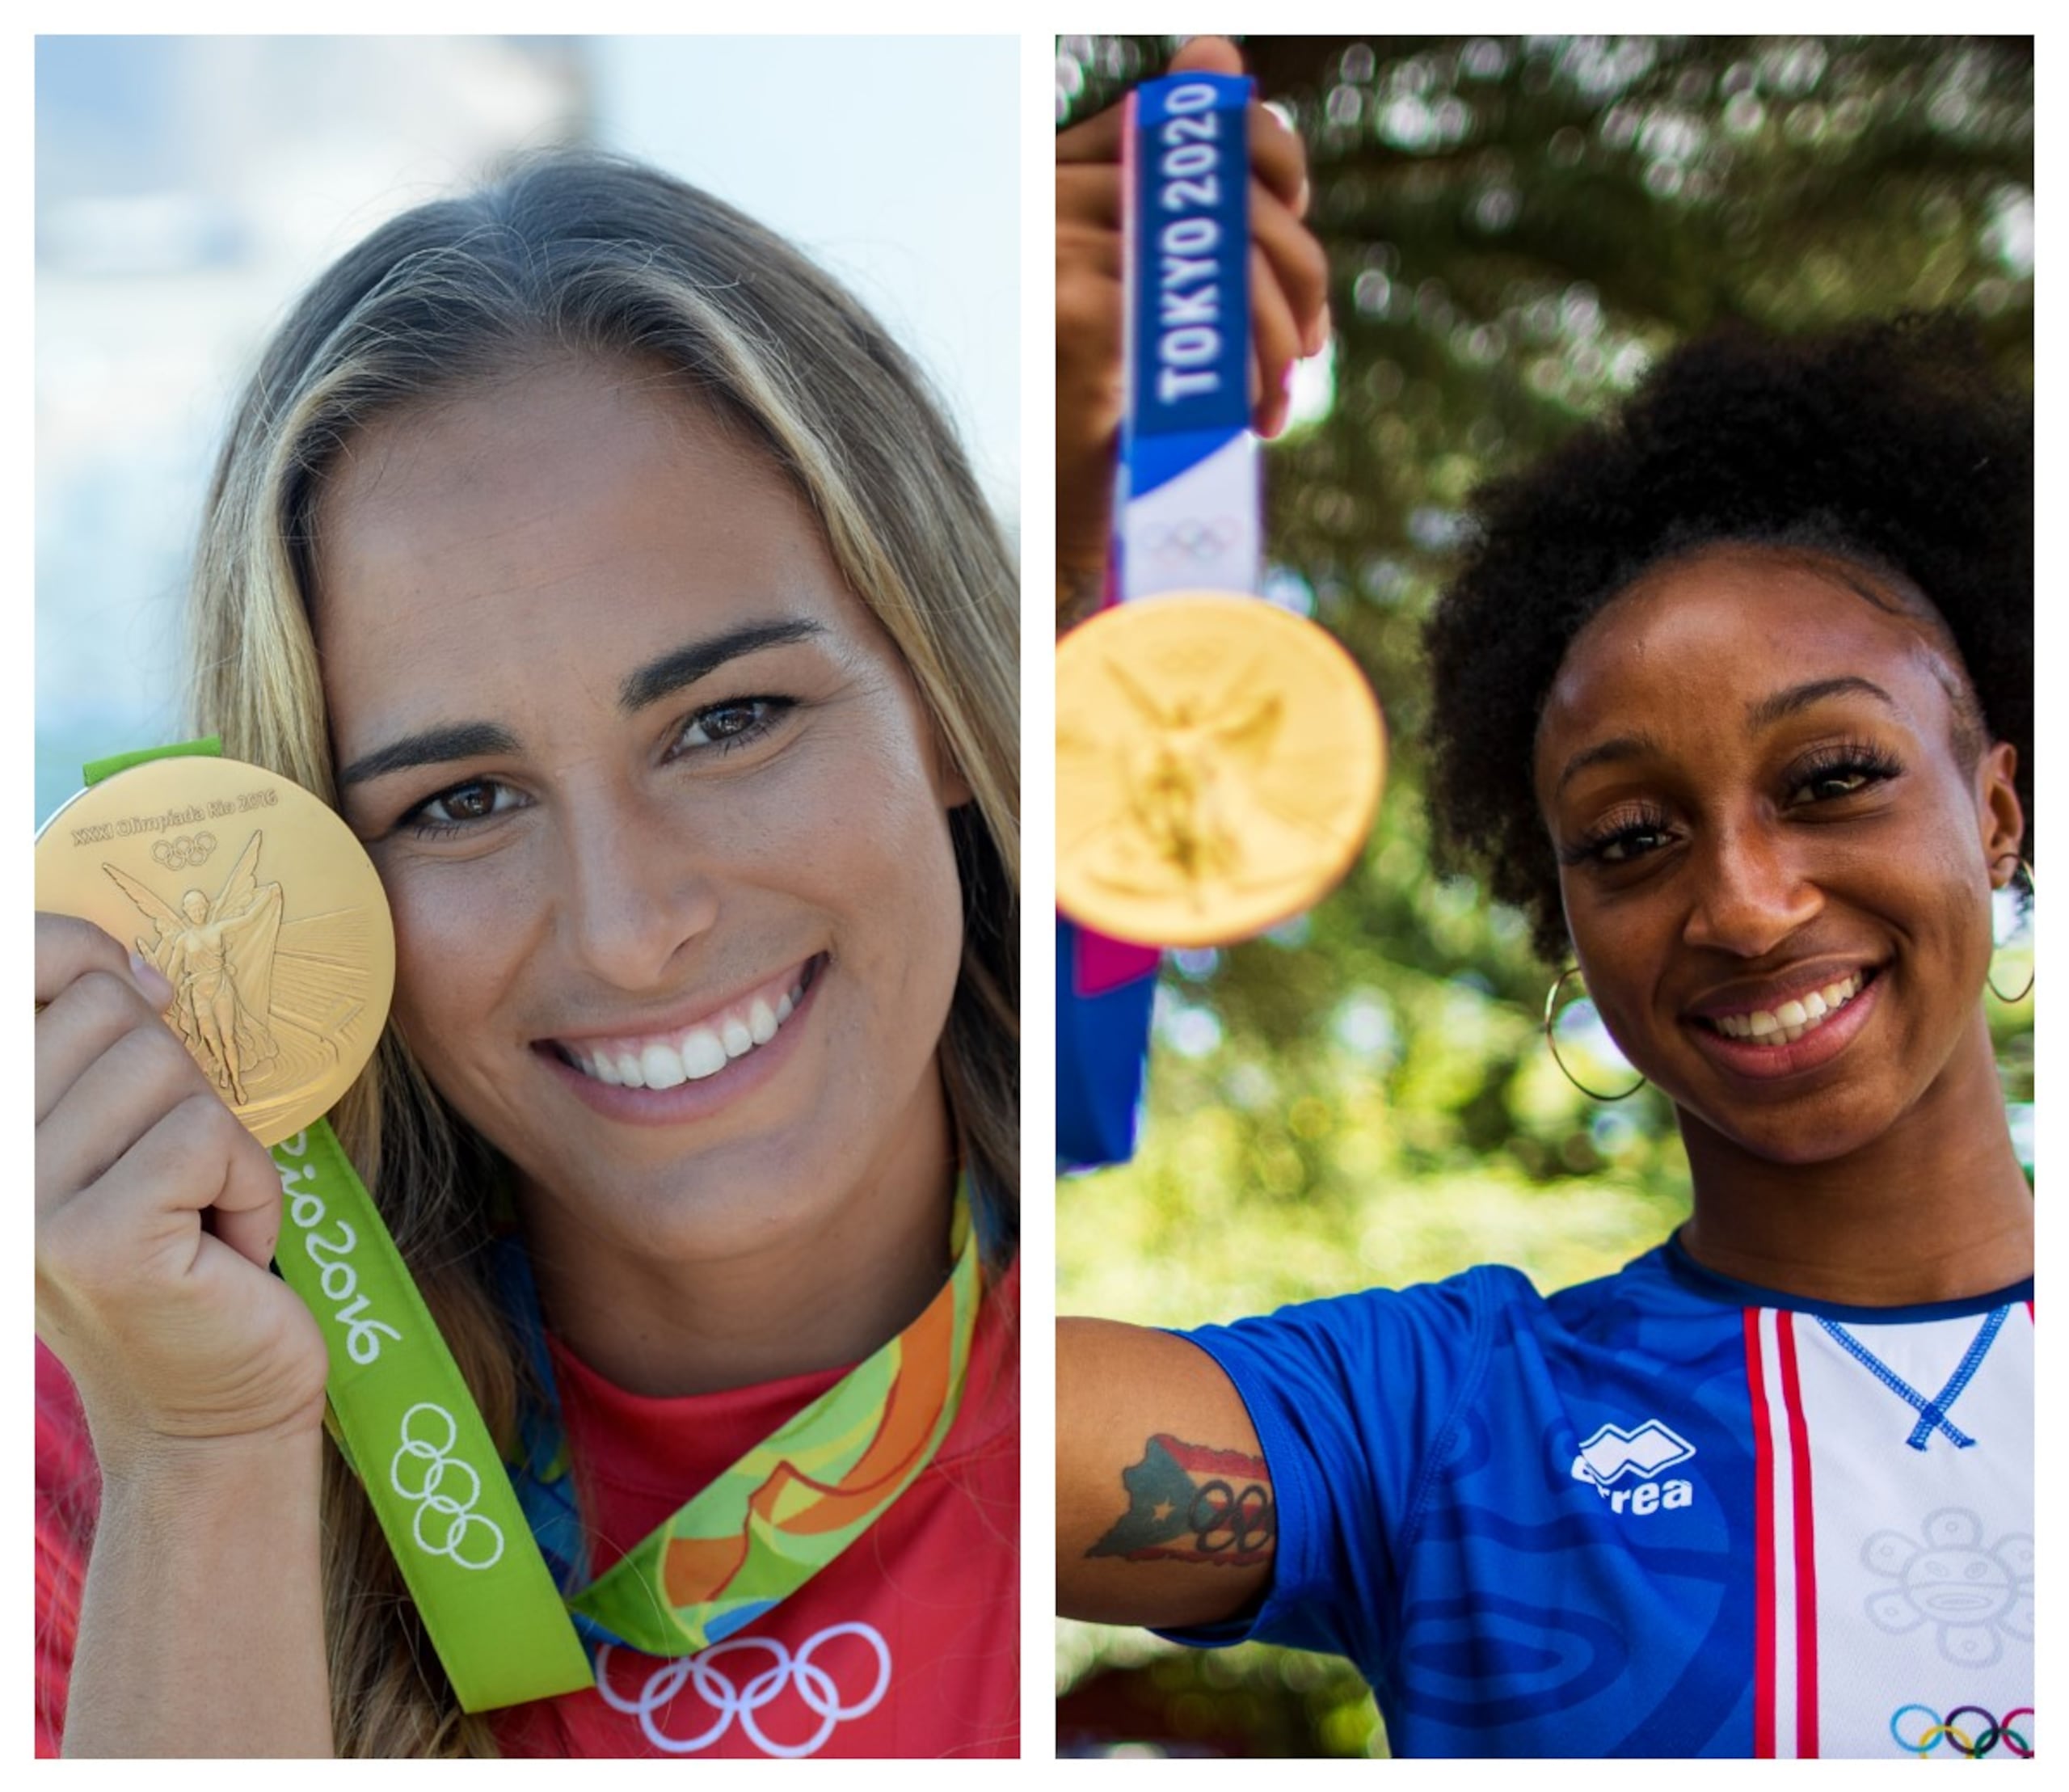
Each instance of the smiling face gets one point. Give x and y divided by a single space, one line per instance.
659 813
1776 849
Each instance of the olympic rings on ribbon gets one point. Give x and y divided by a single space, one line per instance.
1194 538
461 1518
176 855
717 1689
1993 1731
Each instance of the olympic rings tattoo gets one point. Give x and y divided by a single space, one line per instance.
176 855
1972 1743
1218 1509
717 1687
432 1501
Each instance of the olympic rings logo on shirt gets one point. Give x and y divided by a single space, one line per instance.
176 855
730 1699
1973 1743
433 1501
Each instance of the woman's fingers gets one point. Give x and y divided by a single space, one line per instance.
1299 269
67 948
130 1077
111 1076
200 1157
1275 340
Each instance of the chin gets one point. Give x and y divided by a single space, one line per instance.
1819 1131
709 1203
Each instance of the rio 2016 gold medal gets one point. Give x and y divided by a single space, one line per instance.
1218 762
259 907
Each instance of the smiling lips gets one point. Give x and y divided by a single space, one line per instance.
1789 1021
662 1060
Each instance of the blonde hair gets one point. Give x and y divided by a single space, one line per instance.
589 254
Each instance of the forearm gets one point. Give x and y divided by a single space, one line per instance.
201 1626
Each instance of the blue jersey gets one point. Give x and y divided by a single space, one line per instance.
1665 1514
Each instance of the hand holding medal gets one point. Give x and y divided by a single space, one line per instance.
251 900
1218 759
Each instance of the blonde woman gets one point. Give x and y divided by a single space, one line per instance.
615 576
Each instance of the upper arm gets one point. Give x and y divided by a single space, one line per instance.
1165 1513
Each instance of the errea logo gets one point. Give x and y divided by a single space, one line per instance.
1614 1455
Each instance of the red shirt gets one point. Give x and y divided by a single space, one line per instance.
907 1645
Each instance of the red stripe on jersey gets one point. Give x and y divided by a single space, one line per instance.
1763 1552
1806 1561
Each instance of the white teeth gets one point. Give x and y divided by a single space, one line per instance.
1791 1020
663 1069
702 1055
702 1051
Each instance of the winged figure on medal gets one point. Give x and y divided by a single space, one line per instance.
218 956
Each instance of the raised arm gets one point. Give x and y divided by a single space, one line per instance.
200 1628
1289 311
1164 1514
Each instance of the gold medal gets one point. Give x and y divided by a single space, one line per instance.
1218 762
261 909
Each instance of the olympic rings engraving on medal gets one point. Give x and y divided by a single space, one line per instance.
432 1499
1973 1740
176 855
712 1683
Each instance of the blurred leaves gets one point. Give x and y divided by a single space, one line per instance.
1515 228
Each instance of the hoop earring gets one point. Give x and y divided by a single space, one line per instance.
1552 1044
2031 898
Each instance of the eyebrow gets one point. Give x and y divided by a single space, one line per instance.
1763 713
432 746
651 682
1798 697
1622 746
658 678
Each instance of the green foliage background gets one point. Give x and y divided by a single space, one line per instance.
1515 227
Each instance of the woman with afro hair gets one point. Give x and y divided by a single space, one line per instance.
1733 698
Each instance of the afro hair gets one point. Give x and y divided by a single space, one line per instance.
1891 443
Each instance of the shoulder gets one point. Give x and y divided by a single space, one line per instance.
1456 1306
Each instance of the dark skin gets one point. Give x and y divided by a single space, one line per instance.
1729 859
1757 768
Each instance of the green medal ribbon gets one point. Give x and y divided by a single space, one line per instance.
401 1412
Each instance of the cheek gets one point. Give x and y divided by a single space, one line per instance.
452 957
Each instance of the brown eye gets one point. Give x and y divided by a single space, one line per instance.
469 802
728 722
732 724
463 806
1840 776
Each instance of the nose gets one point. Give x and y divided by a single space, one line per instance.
1752 894
635 891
